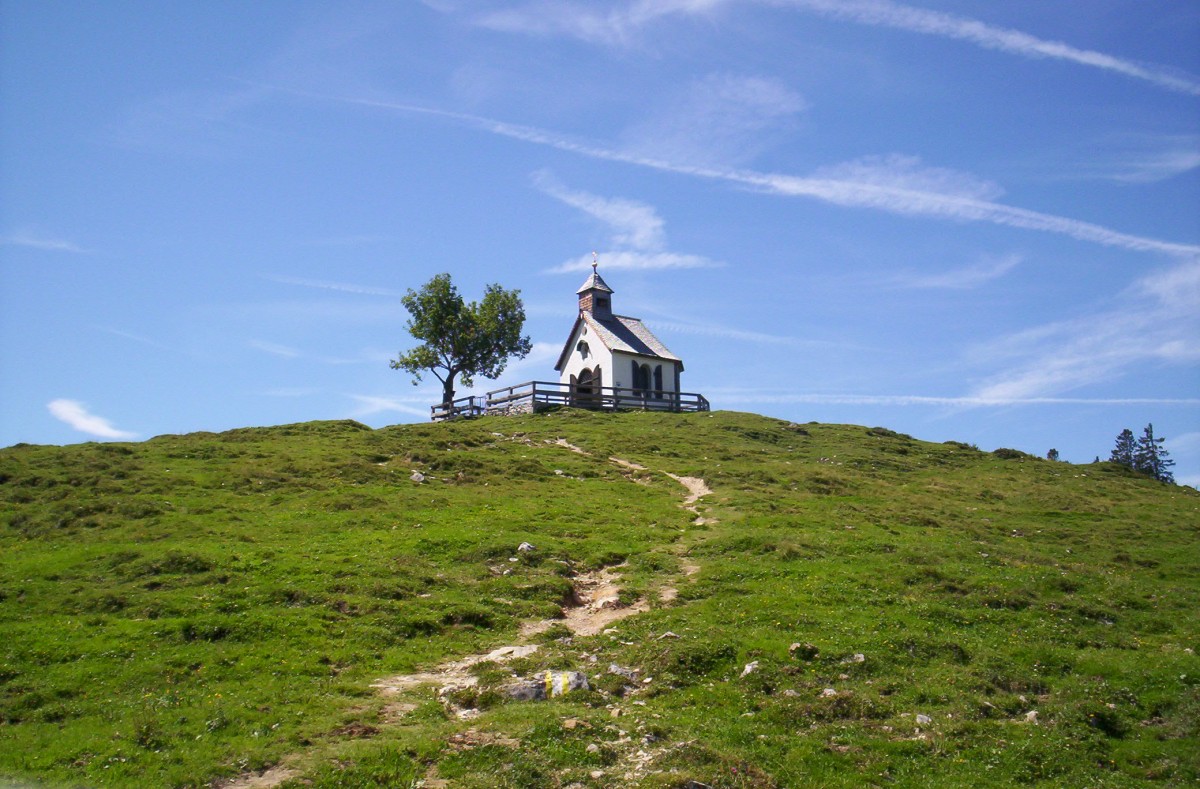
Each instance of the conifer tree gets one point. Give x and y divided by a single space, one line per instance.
1123 453
1152 458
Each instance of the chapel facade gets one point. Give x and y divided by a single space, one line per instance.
606 351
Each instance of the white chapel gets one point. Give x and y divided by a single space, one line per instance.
606 351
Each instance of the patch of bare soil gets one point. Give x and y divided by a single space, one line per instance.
473 738
598 603
629 465
638 761
264 780
450 676
697 488
562 442
668 593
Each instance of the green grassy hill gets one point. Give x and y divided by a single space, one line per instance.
191 609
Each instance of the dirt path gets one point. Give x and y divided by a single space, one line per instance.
447 678
264 780
597 606
599 603
696 487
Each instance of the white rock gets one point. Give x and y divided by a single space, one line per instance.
828 692
750 668
417 477
1031 716
923 720
525 547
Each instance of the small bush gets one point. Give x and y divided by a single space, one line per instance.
469 615
176 563
205 630
883 432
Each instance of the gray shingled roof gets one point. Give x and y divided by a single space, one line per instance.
621 333
629 335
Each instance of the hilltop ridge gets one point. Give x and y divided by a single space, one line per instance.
191 610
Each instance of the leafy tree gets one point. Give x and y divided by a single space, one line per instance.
1125 449
1151 457
460 339
1052 454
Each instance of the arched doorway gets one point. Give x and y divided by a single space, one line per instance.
587 386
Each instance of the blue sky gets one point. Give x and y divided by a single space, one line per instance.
974 221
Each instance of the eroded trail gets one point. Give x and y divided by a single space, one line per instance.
599 603
596 605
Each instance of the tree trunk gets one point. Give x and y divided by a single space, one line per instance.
448 392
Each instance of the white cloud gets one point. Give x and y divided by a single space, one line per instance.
984 270
290 391
633 223
75 414
618 25
1133 158
274 349
369 405
590 21
635 260
33 241
135 337
884 13
341 287
906 198
899 173
1177 287
907 201
718 118
1157 166
726 332
1156 320
969 401
372 356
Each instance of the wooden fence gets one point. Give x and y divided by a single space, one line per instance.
535 396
